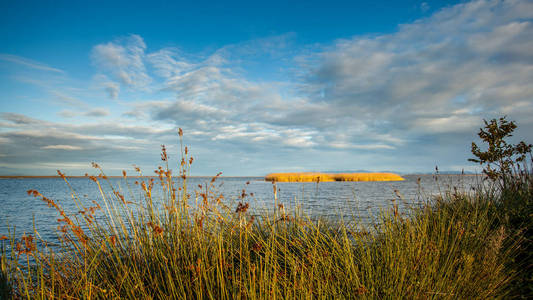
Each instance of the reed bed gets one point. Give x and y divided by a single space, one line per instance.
321 177
193 245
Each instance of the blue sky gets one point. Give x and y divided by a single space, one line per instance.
259 87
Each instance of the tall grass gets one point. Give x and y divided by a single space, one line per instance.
457 246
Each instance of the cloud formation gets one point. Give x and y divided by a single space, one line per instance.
405 100
434 78
123 59
32 144
437 75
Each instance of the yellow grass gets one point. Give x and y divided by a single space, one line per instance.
317 177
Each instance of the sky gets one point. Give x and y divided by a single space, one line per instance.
259 87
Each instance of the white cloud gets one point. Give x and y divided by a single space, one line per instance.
66 99
299 141
124 60
61 147
454 123
28 63
342 145
20 119
167 63
112 88
66 113
97 112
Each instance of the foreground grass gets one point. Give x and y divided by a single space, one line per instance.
458 246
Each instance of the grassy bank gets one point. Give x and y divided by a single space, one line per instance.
458 245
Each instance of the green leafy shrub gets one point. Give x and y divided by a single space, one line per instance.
506 165
501 159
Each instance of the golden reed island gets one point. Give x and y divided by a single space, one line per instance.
317 177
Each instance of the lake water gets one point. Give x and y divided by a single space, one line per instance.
326 199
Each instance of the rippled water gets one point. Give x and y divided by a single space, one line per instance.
327 199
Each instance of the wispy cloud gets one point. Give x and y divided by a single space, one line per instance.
28 63
20 119
94 113
97 112
61 147
66 99
123 59
111 87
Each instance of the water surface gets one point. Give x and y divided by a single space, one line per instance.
326 199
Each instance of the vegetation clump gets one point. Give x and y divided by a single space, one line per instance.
321 177
194 244
506 167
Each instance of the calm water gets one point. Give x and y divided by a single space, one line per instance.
327 199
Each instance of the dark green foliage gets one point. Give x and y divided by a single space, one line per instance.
500 156
5 289
506 165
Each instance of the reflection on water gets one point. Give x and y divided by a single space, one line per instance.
326 199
